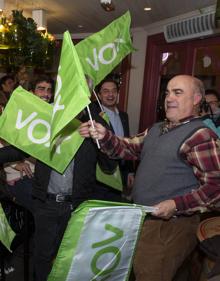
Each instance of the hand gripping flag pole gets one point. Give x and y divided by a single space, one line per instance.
90 117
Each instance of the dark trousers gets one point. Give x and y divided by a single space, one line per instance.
51 219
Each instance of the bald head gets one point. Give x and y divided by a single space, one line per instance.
183 96
196 84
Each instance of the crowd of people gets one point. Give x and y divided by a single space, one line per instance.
178 173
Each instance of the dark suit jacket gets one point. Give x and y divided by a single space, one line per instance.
126 167
125 123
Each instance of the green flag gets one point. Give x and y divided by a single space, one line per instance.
25 123
103 51
113 180
99 242
72 92
6 233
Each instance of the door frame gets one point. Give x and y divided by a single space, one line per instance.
151 85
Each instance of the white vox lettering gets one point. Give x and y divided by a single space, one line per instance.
106 249
59 84
57 106
21 124
118 41
94 65
59 142
32 124
102 50
31 129
99 56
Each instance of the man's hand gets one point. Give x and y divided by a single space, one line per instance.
165 209
24 169
87 130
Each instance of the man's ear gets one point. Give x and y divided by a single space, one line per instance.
197 98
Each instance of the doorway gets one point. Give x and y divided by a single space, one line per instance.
200 58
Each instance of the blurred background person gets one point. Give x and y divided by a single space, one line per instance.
212 98
7 85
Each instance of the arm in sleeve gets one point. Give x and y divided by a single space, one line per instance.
122 148
107 164
202 152
11 154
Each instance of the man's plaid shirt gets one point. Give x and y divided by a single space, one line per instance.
201 151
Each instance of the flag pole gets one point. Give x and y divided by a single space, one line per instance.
90 117
100 105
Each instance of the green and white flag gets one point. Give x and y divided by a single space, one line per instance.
25 123
6 233
99 242
113 180
72 92
103 51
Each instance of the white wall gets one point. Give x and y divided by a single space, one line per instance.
136 78
138 64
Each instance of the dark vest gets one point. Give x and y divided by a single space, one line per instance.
162 174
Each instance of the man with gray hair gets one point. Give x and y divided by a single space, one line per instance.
178 174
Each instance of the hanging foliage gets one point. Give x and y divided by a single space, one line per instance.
22 44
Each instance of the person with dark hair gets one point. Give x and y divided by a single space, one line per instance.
19 175
43 87
108 91
55 195
7 85
178 175
212 99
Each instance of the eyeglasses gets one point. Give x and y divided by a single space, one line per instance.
213 102
107 91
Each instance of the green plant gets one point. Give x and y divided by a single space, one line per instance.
25 45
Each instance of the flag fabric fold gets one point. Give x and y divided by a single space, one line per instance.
49 133
6 233
72 92
101 52
25 123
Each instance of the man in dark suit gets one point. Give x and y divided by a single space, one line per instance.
56 195
108 93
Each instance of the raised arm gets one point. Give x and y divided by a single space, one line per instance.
113 146
11 154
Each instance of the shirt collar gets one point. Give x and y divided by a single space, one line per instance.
167 125
107 110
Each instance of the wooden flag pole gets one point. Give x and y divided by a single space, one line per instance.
90 117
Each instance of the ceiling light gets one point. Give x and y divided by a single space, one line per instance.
39 16
107 5
147 8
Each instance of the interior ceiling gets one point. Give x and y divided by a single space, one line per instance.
65 15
